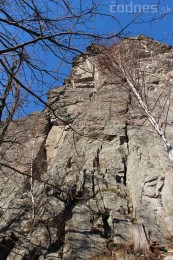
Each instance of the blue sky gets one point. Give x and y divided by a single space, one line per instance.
126 11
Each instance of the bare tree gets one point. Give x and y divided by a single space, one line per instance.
35 35
38 40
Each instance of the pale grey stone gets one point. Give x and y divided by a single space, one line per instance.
102 173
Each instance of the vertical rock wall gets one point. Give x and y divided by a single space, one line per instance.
108 183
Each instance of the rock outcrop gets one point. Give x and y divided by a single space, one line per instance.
91 178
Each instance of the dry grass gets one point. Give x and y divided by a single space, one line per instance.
127 252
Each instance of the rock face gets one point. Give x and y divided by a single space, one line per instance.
96 179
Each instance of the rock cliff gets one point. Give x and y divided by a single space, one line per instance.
90 178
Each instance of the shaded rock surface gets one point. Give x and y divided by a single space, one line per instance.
102 180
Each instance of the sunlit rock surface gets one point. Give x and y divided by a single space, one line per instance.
102 181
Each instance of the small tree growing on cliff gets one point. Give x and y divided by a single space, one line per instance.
124 61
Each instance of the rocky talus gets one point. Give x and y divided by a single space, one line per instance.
91 179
